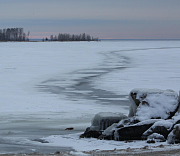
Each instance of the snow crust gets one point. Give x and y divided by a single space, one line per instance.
147 64
167 124
93 144
156 137
26 65
150 121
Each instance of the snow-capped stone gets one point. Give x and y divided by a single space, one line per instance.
110 129
108 133
155 137
162 127
153 103
133 132
126 122
103 120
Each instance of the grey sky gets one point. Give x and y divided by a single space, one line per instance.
123 19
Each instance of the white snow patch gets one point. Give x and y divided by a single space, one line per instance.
159 103
167 124
84 144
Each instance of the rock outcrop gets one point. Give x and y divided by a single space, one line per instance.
153 104
153 115
133 132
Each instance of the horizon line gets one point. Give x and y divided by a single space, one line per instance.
113 39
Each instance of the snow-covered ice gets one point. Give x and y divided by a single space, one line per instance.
54 85
150 64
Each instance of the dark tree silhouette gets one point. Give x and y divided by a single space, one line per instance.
13 34
67 37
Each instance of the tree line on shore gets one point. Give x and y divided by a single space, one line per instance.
13 34
68 37
18 34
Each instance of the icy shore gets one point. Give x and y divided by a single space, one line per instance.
57 85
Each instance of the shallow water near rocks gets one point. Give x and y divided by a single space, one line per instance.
20 135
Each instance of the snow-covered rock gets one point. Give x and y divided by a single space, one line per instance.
151 115
133 132
108 133
155 137
174 136
162 127
153 104
103 120
126 122
90 133
110 129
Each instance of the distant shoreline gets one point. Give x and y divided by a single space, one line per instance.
116 40
103 40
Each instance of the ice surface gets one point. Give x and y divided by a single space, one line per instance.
147 65
27 69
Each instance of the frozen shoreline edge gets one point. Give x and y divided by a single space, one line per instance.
156 151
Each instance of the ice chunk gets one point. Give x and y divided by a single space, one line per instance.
103 120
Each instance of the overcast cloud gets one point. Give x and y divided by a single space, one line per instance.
122 19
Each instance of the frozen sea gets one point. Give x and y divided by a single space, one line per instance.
46 87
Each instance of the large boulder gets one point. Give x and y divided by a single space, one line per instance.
103 120
108 133
162 127
153 104
133 132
